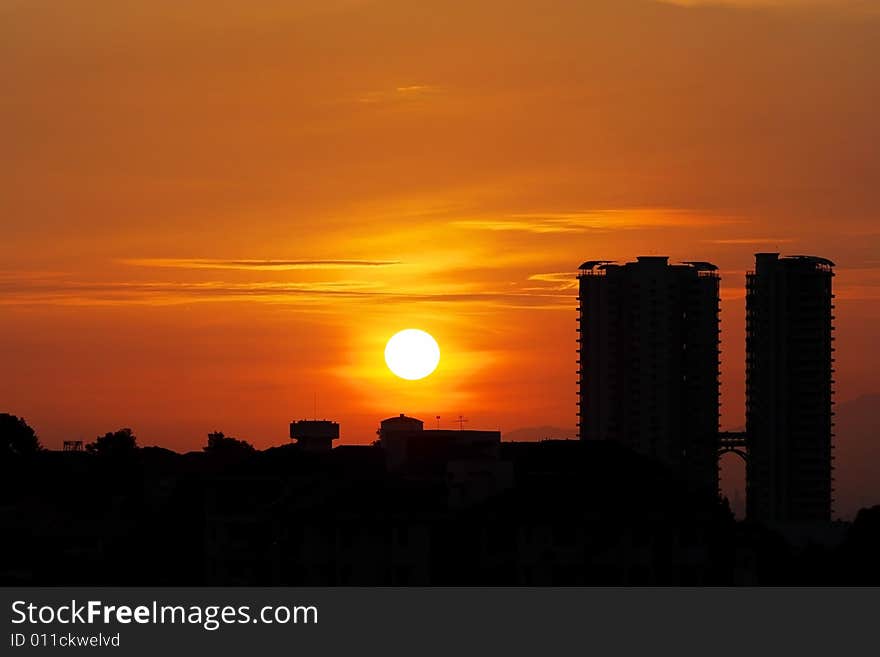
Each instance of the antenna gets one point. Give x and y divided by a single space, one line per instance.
438 423
461 422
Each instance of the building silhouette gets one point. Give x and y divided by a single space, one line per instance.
314 435
649 360
407 445
789 326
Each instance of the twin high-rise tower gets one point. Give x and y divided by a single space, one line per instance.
649 360
789 379
649 373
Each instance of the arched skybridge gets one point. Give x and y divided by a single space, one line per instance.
733 441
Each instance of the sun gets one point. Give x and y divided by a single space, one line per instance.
412 354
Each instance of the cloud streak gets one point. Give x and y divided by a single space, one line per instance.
597 220
79 293
859 6
562 280
753 240
399 94
254 265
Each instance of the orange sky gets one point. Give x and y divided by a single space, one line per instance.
437 165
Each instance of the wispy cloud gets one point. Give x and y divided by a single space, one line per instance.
753 240
415 89
867 7
398 94
36 291
596 220
43 291
562 280
254 265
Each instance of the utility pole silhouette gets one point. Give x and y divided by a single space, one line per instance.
461 422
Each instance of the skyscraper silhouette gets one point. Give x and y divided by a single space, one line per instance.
789 389
649 360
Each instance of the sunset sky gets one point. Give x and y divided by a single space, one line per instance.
213 211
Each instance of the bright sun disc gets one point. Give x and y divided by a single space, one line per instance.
412 354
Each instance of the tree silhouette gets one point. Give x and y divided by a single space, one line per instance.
17 438
219 444
859 552
116 443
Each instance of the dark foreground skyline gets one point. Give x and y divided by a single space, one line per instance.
535 513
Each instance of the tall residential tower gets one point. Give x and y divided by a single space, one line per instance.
649 360
789 325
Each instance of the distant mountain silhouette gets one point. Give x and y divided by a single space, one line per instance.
857 433
538 433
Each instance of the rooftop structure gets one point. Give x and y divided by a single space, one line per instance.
407 444
314 435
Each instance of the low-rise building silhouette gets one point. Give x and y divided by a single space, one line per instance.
572 513
408 445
